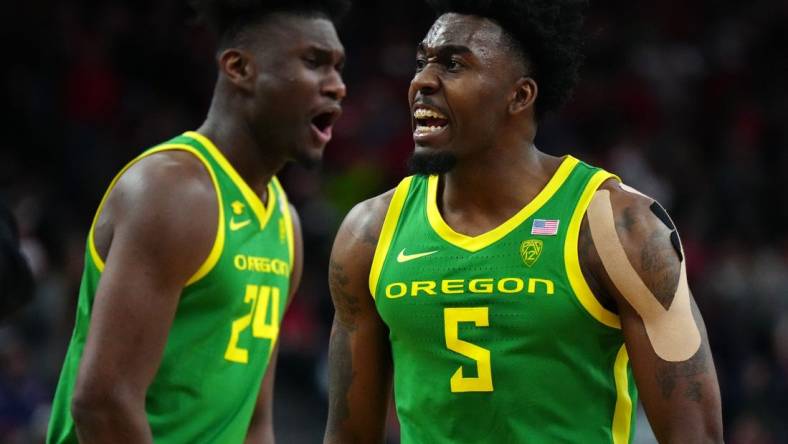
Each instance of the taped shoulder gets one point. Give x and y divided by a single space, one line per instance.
633 246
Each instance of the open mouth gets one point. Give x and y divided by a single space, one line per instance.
429 121
323 123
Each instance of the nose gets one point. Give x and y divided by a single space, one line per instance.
425 81
334 87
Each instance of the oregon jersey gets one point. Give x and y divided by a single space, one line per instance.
227 320
497 338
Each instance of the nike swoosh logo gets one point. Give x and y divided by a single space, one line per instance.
235 226
402 257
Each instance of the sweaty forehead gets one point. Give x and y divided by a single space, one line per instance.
479 34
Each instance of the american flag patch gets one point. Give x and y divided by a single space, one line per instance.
545 227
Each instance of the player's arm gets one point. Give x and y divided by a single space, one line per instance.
261 429
637 259
156 228
359 353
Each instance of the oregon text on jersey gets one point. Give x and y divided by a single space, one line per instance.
261 264
506 285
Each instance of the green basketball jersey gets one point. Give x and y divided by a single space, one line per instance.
497 338
227 320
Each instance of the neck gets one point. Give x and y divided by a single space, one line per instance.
229 131
497 183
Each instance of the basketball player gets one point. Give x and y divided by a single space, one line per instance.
511 296
194 251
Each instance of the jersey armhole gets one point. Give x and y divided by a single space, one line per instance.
387 232
577 281
218 244
285 208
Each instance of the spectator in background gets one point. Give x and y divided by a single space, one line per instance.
16 281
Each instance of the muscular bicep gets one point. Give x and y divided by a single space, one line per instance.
643 267
159 240
359 352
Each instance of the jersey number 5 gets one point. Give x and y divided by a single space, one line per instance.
263 300
480 318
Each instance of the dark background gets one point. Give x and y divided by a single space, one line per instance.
686 101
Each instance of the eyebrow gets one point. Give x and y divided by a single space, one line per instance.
326 54
445 50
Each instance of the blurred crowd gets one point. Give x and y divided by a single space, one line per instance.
686 101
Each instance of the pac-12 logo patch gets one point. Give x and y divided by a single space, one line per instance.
530 250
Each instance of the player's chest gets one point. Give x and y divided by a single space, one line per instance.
519 285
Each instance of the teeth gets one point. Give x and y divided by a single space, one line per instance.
424 113
427 129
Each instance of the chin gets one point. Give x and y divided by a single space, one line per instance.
431 161
309 158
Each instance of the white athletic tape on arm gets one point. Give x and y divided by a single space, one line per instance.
673 332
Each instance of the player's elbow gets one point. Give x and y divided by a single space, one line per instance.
713 430
711 424
707 431
89 407
92 406
83 409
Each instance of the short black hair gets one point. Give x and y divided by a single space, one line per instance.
228 18
548 33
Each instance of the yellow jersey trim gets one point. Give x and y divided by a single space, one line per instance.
476 243
572 262
387 232
218 244
263 212
622 415
285 208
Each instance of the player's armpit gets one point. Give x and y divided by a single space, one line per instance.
360 366
640 263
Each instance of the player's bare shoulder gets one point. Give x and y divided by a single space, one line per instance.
351 260
641 252
362 225
183 175
627 210
166 194
646 232
638 217
622 216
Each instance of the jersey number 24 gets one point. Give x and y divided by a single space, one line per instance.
263 317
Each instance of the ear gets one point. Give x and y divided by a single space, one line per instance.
523 96
239 68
